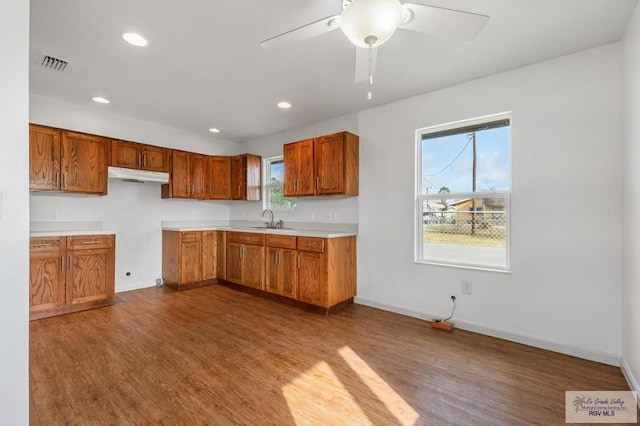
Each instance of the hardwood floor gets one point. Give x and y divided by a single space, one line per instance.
215 356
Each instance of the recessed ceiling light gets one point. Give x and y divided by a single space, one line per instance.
214 130
135 39
284 105
100 100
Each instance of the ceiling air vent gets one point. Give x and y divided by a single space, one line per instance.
55 64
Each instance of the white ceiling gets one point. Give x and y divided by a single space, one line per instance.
204 67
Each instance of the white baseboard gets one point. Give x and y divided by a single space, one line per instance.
133 286
538 342
631 379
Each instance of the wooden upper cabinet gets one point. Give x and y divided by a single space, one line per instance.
336 164
246 177
198 175
327 165
60 160
125 154
156 159
188 176
134 155
44 158
83 163
219 178
299 169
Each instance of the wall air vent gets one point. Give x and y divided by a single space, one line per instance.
55 64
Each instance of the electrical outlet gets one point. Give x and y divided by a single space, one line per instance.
466 287
334 216
131 257
159 282
53 214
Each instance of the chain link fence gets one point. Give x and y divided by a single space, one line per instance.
481 228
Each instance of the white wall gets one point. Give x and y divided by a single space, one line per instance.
309 209
631 202
14 214
134 211
564 292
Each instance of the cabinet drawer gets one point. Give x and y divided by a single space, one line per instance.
246 238
281 241
311 244
190 237
84 242
40 244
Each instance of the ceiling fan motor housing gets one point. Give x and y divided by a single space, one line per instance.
370 23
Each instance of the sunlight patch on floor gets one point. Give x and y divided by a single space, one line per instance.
397 406
317 396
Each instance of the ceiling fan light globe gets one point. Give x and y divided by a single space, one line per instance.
365 21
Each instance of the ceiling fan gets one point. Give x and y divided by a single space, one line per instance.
370 23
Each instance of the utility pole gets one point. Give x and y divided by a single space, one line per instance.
473 186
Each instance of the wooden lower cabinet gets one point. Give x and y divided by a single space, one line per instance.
68 274
245 259
315 271
326 270
190 258
312 278
281 268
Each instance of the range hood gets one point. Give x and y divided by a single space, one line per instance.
141 176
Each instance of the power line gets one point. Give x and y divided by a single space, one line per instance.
452 161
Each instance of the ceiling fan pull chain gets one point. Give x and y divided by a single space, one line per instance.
370 64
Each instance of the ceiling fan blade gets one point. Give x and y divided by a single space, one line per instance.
303 33
362 63
448 23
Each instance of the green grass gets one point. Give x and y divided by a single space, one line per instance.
434 236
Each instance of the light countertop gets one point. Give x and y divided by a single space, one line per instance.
261 230
69 233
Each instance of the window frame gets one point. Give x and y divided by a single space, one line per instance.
266 187
420 198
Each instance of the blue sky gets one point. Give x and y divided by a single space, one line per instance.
493 165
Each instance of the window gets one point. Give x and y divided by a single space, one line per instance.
274 186
463 193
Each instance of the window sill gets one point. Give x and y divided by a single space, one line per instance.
462 266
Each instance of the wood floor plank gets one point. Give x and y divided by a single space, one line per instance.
215 356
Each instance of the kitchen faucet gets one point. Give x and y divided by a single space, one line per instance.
272 223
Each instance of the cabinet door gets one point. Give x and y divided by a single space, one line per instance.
84 163
220 178
198 176
288 277
190 257
209 255
180 175
306 181
238 182
156 158
299 169
90 275
311 277
291 166
253 266
126 154
44 158
272 284
47 281
253 178
329 160
234 262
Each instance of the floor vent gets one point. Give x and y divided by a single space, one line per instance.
55 64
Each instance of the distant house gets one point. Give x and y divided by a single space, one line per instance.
488 206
